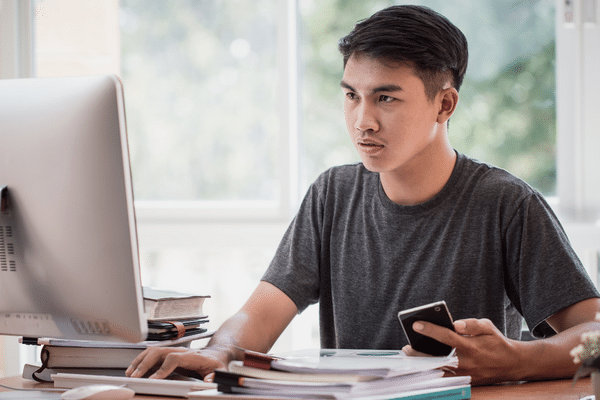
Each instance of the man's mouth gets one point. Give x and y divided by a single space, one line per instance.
369 147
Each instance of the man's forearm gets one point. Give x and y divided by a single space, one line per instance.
550 358
235 335
256 326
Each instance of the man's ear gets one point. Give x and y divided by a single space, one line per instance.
448 100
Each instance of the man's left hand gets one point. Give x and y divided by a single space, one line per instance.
483 351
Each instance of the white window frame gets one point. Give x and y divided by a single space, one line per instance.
578 126
16 39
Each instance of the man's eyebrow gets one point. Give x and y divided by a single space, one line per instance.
387 88
378 89
346 86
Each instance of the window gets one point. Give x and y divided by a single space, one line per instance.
204 83
201 81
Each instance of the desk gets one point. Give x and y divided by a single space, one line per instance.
19 382
548 390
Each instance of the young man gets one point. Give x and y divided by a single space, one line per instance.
415 222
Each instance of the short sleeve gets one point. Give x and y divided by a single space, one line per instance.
544 275
295 266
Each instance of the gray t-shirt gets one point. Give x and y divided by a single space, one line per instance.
488 244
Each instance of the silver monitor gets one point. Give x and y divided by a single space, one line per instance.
69 263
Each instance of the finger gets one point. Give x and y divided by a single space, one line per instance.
409 351
474 327
439 333
170 363
143 363
151 358
136 361
209 377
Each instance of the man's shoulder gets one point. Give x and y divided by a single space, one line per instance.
490 179
340 183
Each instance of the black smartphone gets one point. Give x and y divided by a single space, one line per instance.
436 313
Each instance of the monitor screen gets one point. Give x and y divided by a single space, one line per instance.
69 264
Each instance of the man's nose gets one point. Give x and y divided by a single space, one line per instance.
366 118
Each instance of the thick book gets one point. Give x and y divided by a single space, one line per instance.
89 357
96 355
163 304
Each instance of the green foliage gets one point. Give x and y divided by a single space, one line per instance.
510 119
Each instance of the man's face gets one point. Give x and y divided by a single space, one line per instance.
392 123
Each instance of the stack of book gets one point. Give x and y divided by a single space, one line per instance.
172 315
339 374
174 319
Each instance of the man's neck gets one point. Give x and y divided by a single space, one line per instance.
423 178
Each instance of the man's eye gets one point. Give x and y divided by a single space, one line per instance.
385 99
351 95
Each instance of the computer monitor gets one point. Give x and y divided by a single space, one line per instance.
69 264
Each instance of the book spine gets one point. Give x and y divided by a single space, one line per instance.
257 360
226 379
456 393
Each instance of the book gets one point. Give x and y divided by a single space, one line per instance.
346 361
363 362
96 343
166 330
238 367
171 326
445 393
418 380
163 304
235 383
341 374
99 356
89 357
30 372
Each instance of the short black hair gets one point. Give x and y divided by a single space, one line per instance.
436 48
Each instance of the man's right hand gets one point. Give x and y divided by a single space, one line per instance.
203 362
255 327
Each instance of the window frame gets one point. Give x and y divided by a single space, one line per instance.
16 39
577 84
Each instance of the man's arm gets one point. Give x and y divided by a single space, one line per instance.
489 357
256 327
